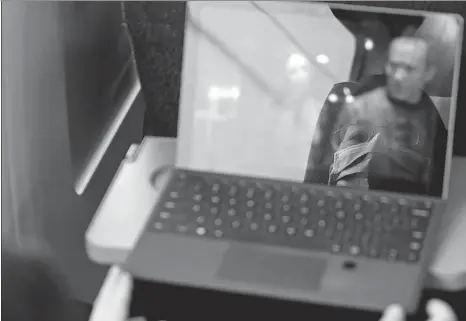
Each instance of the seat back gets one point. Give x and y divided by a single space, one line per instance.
157 34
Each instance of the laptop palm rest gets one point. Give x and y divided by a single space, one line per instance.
282 270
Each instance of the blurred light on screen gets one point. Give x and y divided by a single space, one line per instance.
296 61
217 93
322 59
333 98
369 44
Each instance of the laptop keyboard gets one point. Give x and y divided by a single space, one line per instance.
292 215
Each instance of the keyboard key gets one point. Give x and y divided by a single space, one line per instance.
250 204
309 233
304 198
268 217
366 198
254 226
165 215
420 213
233 191
403 202
305 210
384 200
250 192
340 215
339 226
268 206
286 219
357 207
215 210
413 257
426 204
415 223
322 224
397 221
338 205
415 246
354 250
285 198
182 229
417 235
215 188
170 205
236 224
201 231
268 195
392 255
291 231
374 253
286 208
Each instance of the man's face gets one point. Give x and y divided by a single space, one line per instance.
407 71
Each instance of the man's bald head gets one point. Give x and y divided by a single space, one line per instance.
408 68
416 47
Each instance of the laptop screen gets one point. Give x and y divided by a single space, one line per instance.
323 94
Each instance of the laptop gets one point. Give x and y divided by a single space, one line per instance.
314 152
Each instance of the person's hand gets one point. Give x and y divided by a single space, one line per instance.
437 310
114 299
356 182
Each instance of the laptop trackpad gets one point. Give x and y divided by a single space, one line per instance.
259 266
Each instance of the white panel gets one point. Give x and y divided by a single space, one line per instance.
260 80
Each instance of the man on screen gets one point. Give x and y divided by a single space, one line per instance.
389 134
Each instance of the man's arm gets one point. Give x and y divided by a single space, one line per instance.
328 134
317 170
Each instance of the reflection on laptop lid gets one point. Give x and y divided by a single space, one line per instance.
308 93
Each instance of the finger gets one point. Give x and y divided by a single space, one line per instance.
111 279
110 284
124 288
438 310
393 313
